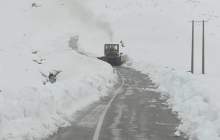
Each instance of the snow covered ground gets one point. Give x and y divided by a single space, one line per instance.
194 98
32 110
39 37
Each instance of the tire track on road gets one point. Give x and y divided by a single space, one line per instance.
102 117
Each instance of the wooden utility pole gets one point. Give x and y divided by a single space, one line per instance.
192 52
203 47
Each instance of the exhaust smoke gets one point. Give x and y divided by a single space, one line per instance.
80 9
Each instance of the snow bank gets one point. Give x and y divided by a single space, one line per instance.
32 109
194 97
38 37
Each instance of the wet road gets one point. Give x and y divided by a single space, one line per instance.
138 112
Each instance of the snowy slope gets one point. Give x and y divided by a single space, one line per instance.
38 37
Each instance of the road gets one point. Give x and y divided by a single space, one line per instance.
135 112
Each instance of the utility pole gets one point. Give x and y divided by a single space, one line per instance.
192 52
203 47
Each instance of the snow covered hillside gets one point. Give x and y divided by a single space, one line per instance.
37 38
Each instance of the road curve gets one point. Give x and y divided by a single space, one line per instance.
136 111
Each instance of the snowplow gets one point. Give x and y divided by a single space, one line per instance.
112 55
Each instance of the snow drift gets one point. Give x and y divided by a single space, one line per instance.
194 98
30 109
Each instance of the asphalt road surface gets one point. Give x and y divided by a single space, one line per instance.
136 111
